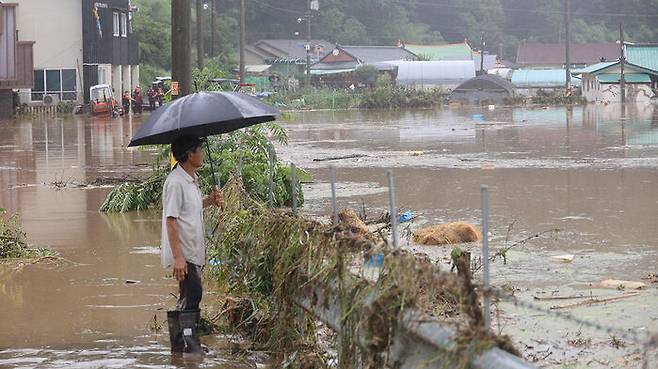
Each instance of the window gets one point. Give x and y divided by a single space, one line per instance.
115 24
57 82
124 25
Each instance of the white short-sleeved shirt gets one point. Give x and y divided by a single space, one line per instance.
181 199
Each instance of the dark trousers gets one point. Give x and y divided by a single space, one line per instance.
190 288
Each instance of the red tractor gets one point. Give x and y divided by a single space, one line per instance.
102 101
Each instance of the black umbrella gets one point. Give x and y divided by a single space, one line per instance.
202 114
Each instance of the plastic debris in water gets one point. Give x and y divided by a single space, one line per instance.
405 217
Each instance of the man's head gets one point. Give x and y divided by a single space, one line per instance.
187 149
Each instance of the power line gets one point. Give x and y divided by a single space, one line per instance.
526 10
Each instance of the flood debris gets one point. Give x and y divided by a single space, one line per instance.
350 220
594 301
447 234
270 255
13 241
562 258
622 285
343 157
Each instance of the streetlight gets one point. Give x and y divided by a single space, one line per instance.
313 5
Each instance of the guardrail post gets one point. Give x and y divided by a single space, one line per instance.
334 210
293 183
392 210
485 253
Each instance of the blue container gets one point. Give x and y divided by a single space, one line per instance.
376 260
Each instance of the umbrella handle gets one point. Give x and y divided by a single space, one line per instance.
216 179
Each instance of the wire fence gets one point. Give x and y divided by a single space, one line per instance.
647 342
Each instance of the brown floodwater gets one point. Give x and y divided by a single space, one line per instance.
590 172
81 313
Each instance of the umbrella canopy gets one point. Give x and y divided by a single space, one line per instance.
202 114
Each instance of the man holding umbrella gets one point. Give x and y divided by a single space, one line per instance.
181 123
183 239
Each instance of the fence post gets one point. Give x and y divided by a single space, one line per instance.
270 194
334 210
484 189
392 210
293 183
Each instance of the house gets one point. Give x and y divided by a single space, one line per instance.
94 43
483 89
16 60
533 82
601 83
284 57
347 58
552 56
445 74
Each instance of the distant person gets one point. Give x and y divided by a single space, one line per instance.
137 100
153 96
183 240
125 101
161 94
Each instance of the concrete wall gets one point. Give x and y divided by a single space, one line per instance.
56 27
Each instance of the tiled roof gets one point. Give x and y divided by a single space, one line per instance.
545 54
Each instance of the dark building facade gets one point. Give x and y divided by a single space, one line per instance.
110 46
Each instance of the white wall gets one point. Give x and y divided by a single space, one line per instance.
56 27
593 91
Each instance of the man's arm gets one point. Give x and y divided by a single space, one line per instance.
179 265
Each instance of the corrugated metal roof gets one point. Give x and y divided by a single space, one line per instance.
628 78
593 68
442 52
434 72
645 56
322 72
374 54
540 78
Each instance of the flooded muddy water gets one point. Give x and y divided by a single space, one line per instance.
98 308
590 172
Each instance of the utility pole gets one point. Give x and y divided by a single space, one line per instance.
199 34
308 44
242 40
567 24
622 61
212 28
482 54
181 50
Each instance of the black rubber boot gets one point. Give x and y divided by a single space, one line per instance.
175 331
189 326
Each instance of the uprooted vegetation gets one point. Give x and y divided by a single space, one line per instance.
247 149
13 242
267 256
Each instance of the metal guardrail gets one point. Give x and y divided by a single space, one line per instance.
419 341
